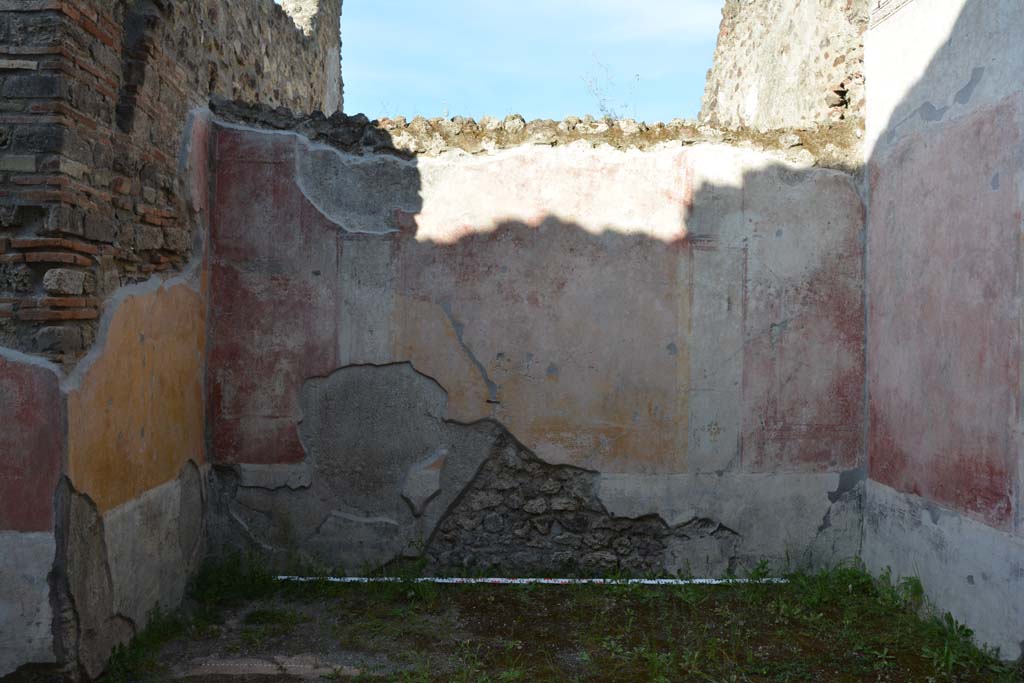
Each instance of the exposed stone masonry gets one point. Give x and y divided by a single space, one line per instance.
95 97
522 514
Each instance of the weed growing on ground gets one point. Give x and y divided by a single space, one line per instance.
840 625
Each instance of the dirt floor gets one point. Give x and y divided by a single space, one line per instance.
837 626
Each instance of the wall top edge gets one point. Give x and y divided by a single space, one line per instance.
835 146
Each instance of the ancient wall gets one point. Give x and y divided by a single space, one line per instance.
945 111
787 64
609 352
95 97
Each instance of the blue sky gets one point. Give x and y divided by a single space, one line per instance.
540 58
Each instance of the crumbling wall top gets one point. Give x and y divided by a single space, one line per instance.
834 145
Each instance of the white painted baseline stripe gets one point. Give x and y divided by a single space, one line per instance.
519 582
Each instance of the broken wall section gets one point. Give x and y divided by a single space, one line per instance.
96 95
788 64
945 122
406 348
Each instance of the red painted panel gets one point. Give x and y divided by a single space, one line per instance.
803 363
31 446
944 338
273 299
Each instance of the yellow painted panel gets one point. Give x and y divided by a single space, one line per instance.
136 416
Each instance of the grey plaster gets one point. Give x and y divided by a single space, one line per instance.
423 481
787 519
154 545
365 429
347 189
90 628
26 619
113 569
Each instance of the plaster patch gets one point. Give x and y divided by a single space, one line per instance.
365 430
423 481
346 188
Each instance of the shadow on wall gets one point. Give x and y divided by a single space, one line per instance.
670 363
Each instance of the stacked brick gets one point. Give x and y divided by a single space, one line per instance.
95 99
68 284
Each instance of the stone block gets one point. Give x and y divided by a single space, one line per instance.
64 281
148 237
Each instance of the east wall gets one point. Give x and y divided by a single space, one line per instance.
944 306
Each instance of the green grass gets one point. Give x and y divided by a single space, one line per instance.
840 626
